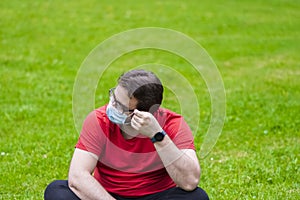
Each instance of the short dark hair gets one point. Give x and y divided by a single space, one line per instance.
145 87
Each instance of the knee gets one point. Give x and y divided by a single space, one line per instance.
59 190
52 190
197 194
201 194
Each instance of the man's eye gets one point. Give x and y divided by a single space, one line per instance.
121 107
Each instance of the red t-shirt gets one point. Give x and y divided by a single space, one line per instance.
132 167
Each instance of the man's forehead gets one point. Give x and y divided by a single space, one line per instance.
121 92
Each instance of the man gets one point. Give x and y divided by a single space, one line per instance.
132 148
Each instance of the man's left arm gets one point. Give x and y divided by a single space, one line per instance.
182 165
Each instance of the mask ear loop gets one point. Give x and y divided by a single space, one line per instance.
128 119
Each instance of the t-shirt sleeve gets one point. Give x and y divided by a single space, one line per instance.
91 138
180 133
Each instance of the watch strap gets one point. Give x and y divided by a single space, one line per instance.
159 136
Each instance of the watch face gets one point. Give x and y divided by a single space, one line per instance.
159 136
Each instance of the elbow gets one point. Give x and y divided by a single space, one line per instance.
73 181
192 181
191 184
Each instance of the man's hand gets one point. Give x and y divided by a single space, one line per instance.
145 123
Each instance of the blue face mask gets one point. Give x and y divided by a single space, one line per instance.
116 116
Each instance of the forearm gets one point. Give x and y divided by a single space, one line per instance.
183 167
184 170
85 186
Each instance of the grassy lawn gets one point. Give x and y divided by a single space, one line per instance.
255 45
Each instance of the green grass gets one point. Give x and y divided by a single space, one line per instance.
255 45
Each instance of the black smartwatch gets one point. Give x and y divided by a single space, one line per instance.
159 136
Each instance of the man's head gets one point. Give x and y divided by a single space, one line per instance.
145 87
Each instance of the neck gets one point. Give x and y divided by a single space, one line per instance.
128 132
126 136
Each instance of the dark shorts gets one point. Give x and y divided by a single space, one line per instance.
59 190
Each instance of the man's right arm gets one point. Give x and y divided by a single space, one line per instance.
81 181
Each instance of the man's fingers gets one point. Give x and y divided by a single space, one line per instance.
144 120
139 121
135 125
137 112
